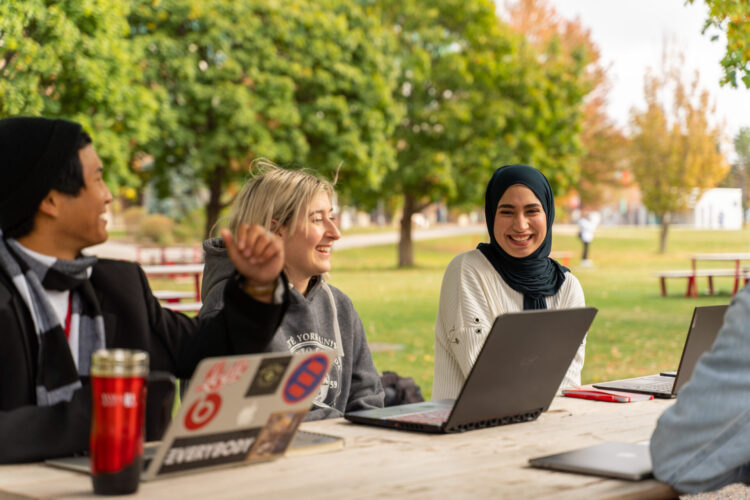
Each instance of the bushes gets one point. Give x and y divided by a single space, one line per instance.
132 217
190 227
161 229
157 228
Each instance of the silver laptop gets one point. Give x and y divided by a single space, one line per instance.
704 327
516 375
630 461
236 409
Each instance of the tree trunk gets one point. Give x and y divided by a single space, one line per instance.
745 192
213 209
665 220
405 245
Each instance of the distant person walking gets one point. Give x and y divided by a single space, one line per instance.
586 226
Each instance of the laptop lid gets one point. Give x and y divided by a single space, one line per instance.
240 409
704 328
514 378
236 409
630 461
520 367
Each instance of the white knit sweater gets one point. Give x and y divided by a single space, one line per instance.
472 295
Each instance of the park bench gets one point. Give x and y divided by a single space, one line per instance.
175 299
184 306
172 296
562 256
168 254
691 276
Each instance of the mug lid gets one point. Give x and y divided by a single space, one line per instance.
119 362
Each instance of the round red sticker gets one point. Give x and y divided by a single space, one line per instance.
202 411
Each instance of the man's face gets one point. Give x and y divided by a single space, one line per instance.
81 221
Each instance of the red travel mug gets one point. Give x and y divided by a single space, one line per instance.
118 405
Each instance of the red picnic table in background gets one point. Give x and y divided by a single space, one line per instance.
173 298
562 256
692 274
169 254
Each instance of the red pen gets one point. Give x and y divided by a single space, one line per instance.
610 398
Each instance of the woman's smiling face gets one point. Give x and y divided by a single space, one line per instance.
308 246
520 222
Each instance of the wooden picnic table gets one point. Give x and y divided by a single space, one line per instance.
166 254
736 258
195 271
563 256
385 463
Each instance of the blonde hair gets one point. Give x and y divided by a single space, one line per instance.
274 197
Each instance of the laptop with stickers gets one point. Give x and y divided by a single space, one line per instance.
236 410
516 375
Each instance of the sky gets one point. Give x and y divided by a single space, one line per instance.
630 36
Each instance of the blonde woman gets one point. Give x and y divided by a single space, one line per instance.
296 205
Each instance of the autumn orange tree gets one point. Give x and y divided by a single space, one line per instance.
676 143
603 143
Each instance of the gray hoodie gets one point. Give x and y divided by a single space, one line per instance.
323 318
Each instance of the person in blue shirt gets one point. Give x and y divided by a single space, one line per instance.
702 442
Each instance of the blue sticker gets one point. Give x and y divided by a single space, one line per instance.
306 378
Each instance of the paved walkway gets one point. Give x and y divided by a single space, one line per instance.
373 239
127 251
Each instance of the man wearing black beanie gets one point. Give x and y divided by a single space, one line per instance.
57 305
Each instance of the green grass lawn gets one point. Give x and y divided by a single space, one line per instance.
636 331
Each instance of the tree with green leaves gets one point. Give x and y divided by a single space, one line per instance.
603 142
476 96
733 18
300 82
72 59
739 174
676 148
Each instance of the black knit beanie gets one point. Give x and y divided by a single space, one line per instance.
31 152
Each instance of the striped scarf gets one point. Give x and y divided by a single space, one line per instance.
57 378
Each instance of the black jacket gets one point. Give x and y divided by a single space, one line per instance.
133 319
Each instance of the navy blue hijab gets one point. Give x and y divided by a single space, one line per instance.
536 276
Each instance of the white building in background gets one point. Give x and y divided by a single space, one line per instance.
719 208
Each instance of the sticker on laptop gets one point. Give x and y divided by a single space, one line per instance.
221 374
306 378
276 435
205 451
268 377
202 411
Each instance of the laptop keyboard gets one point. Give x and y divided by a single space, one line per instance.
149 452
432 417
650 384
653 386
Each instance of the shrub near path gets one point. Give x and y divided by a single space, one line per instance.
636 332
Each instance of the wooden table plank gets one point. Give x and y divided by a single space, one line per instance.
378 462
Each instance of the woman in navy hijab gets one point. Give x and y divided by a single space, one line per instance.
512 272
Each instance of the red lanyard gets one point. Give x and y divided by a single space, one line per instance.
67 316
